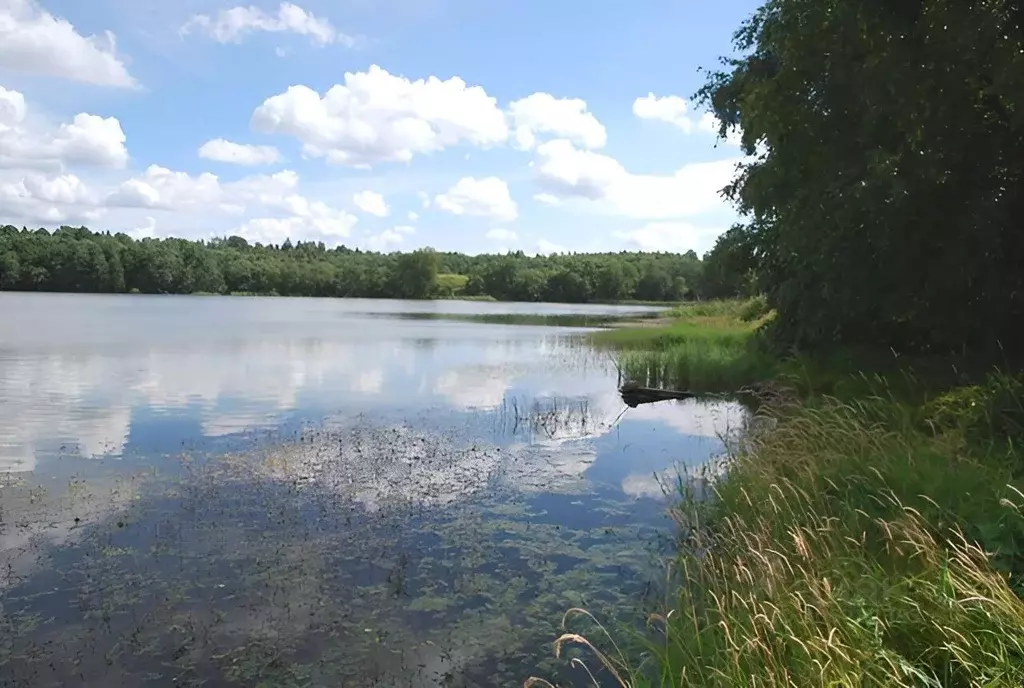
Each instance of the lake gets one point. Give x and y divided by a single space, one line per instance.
289 492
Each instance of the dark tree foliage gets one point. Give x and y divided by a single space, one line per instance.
415 274
730 268
886 196
76 260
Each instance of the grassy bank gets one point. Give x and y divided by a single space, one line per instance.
703 347
874 538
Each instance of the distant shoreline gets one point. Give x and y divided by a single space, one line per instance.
483 298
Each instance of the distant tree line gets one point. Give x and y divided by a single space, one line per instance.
75 259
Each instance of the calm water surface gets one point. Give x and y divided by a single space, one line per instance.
291 492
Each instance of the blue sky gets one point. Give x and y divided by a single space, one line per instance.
385 124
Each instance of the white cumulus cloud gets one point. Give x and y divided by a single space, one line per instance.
159 187
388 239
66 189
294 216
146 231
499 234
675 237
372 203
671 109
12 109
566 172
377 117
48 199
549 247
222 150
487 197
323 224
232 25
159 201
33 41
92 140
676 111
28 142
568 118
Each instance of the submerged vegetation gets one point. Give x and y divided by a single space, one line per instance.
361 554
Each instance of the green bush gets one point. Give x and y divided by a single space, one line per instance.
754 309
450 285
989 412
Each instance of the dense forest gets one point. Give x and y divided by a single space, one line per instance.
884 201
75 259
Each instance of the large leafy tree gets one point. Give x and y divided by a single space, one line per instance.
730 268
416 274
885 195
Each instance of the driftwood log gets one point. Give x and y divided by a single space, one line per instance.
634 394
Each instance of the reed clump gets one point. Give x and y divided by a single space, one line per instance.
707 347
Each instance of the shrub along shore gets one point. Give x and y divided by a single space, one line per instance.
871 537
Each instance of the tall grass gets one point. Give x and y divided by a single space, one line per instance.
845 547
875 539
703 366
746 310
708 348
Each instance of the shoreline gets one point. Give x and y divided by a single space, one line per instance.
879 490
